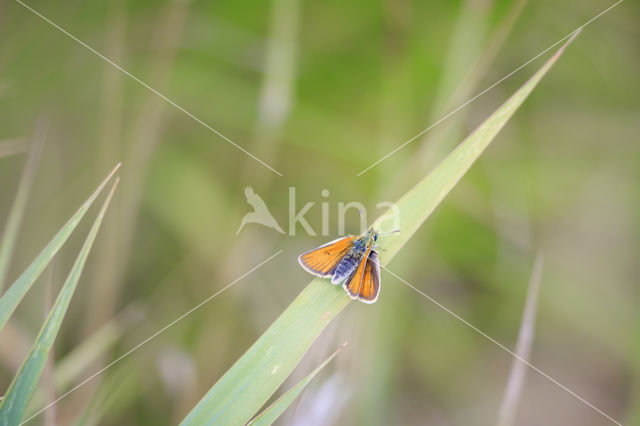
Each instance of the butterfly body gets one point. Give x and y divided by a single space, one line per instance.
347 265
351 261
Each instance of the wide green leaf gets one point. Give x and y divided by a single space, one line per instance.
16 400
275 410
252 380
10 300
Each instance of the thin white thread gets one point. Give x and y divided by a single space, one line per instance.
127 73
519 358
94 375
489 88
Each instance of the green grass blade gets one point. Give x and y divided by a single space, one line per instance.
75 363
249 383
10 300
419 202
245 388
79 360
275 410
118 391
16 400
16 214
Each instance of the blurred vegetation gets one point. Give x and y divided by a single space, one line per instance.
320 91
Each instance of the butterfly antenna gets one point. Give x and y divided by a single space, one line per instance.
387 233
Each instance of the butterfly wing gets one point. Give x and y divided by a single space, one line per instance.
370 288
353 284
324 260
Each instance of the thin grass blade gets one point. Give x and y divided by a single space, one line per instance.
513 390
10 234
71 368
16 400
12 297
120 389
251 381
275 410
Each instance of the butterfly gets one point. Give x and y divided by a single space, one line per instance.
352 261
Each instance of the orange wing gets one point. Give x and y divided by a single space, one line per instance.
353 284
370 288
324 260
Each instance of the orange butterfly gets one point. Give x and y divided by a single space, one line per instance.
351 261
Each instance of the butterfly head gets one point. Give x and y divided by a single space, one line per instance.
370 236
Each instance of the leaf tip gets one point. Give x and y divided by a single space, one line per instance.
114 170
567 43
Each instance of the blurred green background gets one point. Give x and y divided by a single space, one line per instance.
319 91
